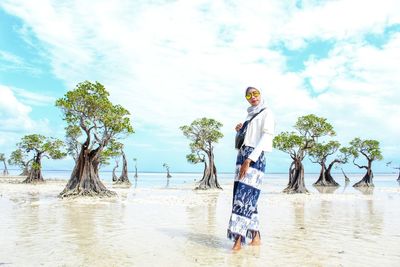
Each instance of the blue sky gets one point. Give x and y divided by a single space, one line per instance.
170 62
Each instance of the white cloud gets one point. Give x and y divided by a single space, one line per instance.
339 20
15 119
12 62
14 115
172 62
33 99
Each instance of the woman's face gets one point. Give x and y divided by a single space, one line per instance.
253 97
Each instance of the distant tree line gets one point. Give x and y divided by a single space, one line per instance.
306 141
95 127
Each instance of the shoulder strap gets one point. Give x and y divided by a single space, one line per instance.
255 115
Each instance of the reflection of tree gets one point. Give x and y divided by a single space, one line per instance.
326 189
88 228
29 223
206 212
299 234
346 184
202 221
369 222
346 179
365 190
29 228
80 225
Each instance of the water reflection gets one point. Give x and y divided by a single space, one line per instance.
346 184
207 212
28 222
92 232
367 224
366 190
326 189
203 236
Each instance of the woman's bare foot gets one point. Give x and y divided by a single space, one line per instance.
256 240
238 245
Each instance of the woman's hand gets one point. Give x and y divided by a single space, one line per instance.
238 127
243 169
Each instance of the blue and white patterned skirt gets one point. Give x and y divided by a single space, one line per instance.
244 219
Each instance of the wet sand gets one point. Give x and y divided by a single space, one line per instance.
182 227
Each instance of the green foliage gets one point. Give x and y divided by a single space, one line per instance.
73 132
368 148
113 150
309 129
195 158
320 151
18 158
2 157
88 107
203 133
344 154
311 126
43 146
289 142
35 166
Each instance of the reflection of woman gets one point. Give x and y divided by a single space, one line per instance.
250 167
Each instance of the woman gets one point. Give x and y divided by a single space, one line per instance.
250 166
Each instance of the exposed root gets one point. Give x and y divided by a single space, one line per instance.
290 190
326 183
86 193
363 183
204 187
122 183
33 181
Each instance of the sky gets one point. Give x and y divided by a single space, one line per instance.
171 62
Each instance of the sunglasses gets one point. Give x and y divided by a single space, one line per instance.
250 95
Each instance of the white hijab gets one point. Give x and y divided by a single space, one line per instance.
252 110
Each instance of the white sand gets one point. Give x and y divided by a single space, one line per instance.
182 227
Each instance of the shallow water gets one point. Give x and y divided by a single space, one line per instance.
159 180
176 226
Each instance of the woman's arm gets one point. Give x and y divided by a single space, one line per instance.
265 139
244 168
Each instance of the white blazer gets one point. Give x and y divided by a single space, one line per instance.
260 133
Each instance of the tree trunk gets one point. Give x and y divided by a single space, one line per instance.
25 170
321 179
35 173
85 179
168 174
366 181
291 172
296 180
346 179
123 179
210 178
325 177
136 171
5 171
114 176
398 178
